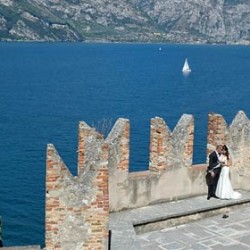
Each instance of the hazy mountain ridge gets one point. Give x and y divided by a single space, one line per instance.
178 21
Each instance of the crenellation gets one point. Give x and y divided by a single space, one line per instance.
217 131
76 205
119 139
171 149
182 140
160 145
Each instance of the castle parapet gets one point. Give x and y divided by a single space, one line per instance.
169 166
77 207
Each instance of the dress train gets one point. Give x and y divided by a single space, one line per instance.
224 188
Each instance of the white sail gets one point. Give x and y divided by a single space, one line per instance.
186 68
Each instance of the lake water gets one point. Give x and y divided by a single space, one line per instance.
47 88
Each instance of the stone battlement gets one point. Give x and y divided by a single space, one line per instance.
78 207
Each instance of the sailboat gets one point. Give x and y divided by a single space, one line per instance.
186 69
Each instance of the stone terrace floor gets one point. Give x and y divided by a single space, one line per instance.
194 223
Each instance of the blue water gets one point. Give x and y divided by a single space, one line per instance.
46 89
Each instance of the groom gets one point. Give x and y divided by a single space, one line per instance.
213 171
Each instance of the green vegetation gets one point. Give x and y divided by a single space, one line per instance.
124 21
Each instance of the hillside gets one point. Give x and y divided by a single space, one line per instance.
176 21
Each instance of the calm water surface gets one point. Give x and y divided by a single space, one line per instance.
46 89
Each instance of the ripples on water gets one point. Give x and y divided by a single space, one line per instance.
46 89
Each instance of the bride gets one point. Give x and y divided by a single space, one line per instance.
224 188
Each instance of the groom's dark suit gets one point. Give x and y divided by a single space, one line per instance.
213 167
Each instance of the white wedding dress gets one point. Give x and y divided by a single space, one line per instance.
224 188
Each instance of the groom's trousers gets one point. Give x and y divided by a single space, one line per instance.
212 182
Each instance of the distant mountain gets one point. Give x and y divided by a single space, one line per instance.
175 21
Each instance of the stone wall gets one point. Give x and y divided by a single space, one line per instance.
77 207
171 175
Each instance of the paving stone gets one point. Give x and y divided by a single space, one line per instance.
233 247
214 228
178 236
246 223
209 233
239 228
245 239
174 246
198 246
197 232
209 222
210 242
151 247
225 241
227 231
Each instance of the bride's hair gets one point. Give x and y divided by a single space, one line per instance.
225 149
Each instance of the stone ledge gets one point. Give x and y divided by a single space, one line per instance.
122 224
187 217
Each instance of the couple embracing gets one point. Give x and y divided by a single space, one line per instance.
218 179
